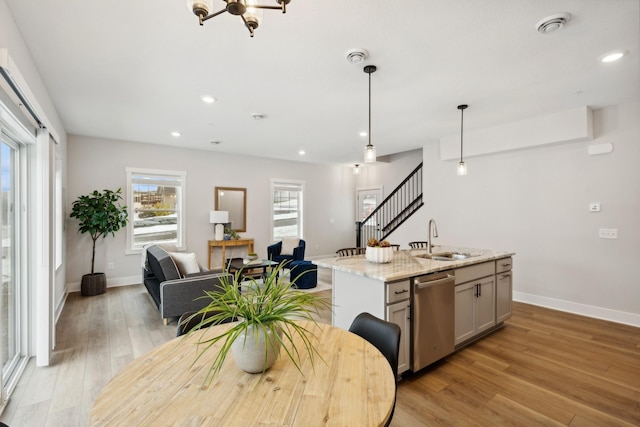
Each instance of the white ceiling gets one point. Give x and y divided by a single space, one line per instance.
135 70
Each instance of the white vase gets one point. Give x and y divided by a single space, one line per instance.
256 349
379 255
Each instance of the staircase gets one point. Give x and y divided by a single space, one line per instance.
403 202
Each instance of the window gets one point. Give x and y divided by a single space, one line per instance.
155 204
286 209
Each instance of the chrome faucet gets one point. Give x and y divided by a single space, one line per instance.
432 234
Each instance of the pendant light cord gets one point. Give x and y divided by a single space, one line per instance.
461 107
369 109
370 69
461 130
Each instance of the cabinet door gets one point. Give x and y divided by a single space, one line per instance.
486 304
504 295
399 313
465 311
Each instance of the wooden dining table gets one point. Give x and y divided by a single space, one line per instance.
351 384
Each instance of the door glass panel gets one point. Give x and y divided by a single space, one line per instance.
368 201
9 302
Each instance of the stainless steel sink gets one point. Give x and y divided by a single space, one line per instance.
445 256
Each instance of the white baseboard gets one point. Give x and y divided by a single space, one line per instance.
623 317
111 282
61 302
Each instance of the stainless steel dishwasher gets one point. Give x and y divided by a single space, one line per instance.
432 318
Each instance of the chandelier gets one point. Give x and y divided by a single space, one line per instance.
246 9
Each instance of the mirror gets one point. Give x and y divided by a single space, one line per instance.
233 200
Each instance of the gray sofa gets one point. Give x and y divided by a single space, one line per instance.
173 294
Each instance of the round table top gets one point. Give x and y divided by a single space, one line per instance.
353 386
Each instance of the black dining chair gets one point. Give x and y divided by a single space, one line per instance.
350 251
418 245
385 336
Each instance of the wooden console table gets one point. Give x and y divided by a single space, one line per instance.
224 244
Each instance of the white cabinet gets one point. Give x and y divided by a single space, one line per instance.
485 304
475 301
398 311
400 314
353 294
504 289
465 312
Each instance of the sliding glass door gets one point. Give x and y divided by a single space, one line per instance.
9 272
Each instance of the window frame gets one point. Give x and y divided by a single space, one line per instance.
281 184
181 197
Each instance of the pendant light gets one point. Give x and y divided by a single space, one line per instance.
356 169
462 167
370 150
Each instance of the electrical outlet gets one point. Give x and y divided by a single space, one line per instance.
110 266
608 233
594 207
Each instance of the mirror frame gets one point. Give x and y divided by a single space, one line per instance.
244 204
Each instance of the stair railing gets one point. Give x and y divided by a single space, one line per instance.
395 209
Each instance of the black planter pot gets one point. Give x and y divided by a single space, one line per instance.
93 284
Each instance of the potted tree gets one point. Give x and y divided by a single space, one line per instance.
268 312
98 214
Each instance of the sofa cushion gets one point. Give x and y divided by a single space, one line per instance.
288 245
186 262
161 264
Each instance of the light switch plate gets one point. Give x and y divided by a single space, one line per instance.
608 233
594 207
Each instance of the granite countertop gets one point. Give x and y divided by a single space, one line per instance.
405 264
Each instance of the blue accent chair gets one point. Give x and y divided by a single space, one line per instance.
274 253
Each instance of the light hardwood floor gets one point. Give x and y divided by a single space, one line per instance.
543 368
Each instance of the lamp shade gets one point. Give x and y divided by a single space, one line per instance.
369 154
218 217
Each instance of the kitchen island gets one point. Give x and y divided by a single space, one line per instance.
479 303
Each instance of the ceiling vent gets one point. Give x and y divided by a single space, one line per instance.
553 23
356 56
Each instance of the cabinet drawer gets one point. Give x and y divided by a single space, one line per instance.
475 271
503 264
398 291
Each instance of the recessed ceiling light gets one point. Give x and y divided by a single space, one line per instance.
208 99
302 152
175 133
363 133
613 56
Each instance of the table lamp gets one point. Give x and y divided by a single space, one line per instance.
219 218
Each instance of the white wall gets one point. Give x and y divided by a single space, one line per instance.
535 202
98 164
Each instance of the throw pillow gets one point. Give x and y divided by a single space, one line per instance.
186 262
288 245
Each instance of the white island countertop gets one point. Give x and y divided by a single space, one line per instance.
405 264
